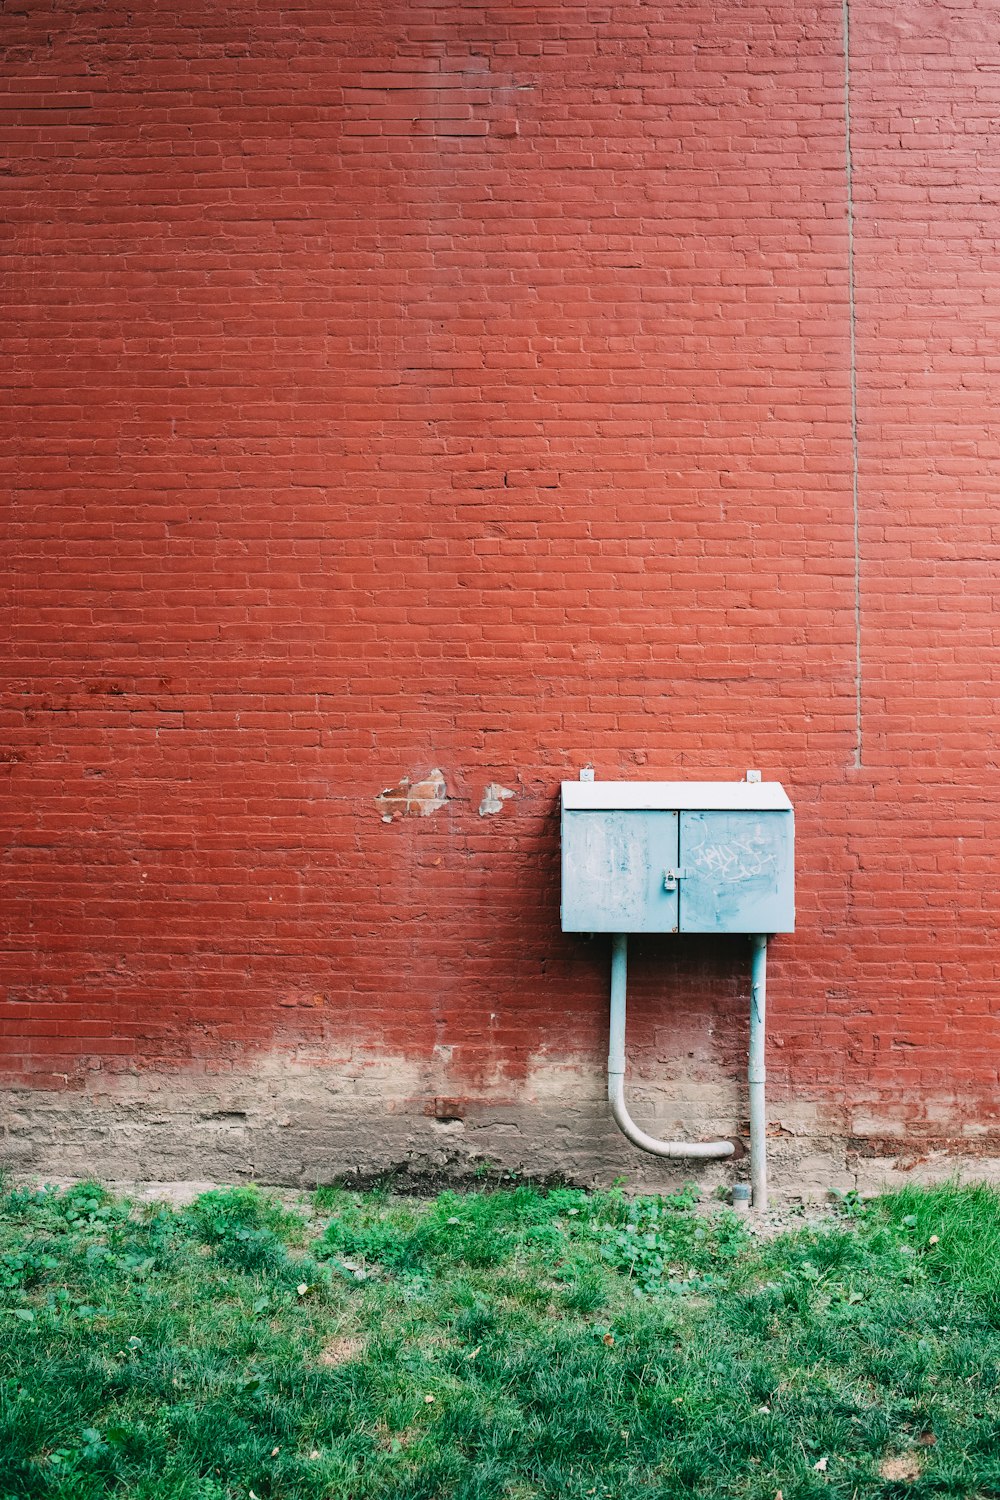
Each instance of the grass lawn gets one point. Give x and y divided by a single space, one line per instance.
495 1346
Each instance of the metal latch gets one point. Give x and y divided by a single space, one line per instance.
671 877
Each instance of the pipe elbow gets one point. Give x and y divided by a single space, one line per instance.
689 1150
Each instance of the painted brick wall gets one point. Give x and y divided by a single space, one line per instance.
446 391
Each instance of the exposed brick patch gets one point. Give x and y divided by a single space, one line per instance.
493 799
416 799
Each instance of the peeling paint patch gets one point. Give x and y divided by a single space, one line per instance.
413 799
494 798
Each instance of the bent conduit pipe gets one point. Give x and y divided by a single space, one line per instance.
702 1150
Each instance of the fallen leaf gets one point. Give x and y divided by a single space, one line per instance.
275 1452
933 1240
609 1339
302 1288
905 1467
821 1465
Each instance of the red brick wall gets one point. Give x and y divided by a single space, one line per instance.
405 387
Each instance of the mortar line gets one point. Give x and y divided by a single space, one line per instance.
853 328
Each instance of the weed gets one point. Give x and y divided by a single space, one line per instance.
661 1244
224 1210
850 1204
247 1230
329 1198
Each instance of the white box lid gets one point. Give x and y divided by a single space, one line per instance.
682 796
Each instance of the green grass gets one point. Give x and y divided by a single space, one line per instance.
495 1346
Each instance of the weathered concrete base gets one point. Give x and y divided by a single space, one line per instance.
302 1123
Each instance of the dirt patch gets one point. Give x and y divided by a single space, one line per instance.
340 1350
905 1466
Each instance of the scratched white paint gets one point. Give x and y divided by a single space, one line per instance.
737 860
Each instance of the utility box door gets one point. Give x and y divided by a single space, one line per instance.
737 871
614 867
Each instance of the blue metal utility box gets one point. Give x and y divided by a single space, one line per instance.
677 856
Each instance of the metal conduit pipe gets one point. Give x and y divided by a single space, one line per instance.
701 1150
756 1074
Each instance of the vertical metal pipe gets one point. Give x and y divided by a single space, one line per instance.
756 1073
616 1041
